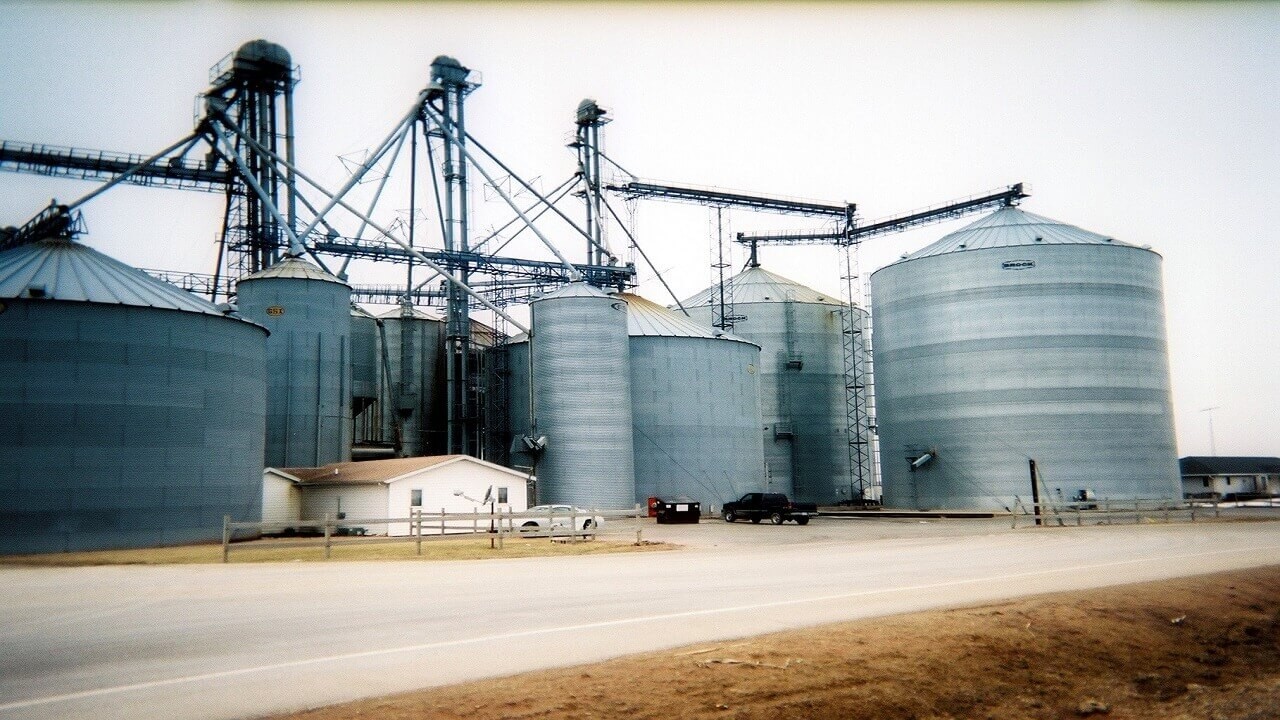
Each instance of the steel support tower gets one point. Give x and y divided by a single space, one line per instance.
255 86
448 91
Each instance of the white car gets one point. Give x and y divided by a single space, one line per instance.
558 516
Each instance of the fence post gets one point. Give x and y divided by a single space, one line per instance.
1193 510
475 521
226 538
418 528
1216 506
573 524
501 534
328 536
638 532
1079 522
1013 514
551 529
442 521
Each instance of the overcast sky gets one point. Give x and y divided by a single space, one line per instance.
1155 123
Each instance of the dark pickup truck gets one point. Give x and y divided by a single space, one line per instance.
775 506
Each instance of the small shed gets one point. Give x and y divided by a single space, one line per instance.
1230 477
393 488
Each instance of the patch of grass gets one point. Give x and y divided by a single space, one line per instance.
302 550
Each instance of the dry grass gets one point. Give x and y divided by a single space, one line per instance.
265 551
1203 647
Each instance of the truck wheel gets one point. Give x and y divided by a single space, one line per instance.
729 516
776 518
802 521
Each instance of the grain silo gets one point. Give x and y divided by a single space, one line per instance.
508 403
802 380
695 404
132 410
414 406
582 398
308 312
1022 338
368 440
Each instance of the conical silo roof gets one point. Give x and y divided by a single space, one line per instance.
573 289
1012 227
757 285
294 268
59 269
646 318
416 313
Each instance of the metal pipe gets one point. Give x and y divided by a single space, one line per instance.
377 196
290 155
514 235
574 275
295 245
336 199
645 256
133 170
421 258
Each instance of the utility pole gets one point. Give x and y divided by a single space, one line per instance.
1213 445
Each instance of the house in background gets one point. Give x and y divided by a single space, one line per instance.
1230 477
394 488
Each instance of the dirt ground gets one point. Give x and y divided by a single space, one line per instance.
1205 647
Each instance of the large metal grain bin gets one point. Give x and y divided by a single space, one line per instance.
1022 338
582 398
132 411
802 380
415 407
509 403
695 408
308 312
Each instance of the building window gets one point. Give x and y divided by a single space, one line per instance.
502 495
1228 482
1206 482
415 497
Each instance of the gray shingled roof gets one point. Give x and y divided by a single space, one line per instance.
757 285
1211 465
66 270
1012 227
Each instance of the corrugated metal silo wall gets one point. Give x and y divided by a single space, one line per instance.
802 405
364 357
509 403
308 367
415 356
696 412
582 401
1064 362
126 426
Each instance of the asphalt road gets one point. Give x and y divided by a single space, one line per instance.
241 641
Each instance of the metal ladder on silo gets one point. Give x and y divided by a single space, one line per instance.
859 427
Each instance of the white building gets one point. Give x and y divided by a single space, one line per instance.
1230 477
390 489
